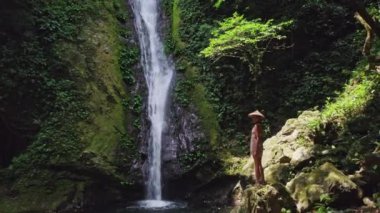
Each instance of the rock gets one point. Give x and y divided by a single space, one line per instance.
237 194
293 144
325 152
267 198
218 192
277 173
184 136
300 155
368 202
306 188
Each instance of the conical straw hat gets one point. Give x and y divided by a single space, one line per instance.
256 113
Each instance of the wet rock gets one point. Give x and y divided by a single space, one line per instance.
306 188
265 198
219 191
182 137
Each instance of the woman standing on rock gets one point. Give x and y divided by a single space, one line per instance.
256 145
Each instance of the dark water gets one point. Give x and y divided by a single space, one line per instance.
182 210
173 207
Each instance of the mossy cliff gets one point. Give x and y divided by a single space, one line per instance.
78 153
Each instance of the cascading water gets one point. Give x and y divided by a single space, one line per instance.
158 73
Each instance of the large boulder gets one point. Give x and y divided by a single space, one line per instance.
277 173
293 144
265 198
307 188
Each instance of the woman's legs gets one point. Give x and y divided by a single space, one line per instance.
259 171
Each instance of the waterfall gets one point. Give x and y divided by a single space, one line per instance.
158 73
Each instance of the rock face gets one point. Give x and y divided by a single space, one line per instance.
65 183
293 144
267 198
307 188
183 134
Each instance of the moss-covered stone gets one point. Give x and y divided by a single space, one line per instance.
277 173
106 89
266 198
307 188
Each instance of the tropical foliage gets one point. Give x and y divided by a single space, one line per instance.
248 41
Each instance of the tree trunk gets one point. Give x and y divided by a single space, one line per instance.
359 8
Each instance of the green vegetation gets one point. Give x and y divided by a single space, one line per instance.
197 157
176 22
72 105
351 102
128 58
323 205
63 69
51 77
354 98
246 40
190 89
269 44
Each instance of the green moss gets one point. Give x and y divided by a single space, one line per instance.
176 22
37 198
106 90
86 111
269 198
237 165
307 188
205 111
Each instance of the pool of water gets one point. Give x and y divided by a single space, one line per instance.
154 206
160 206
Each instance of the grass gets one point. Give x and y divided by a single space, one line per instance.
353 99
351 102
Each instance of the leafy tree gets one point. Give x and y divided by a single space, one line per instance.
245 40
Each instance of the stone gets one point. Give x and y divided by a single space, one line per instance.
265 198
237 194
294 143
277 173
301 154
306 188
368 202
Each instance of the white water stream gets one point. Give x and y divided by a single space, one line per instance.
158 73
